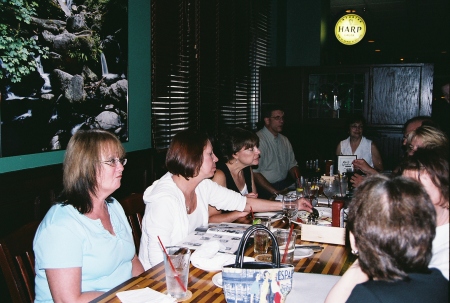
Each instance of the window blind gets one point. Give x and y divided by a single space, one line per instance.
206 56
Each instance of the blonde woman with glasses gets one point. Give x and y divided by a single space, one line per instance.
84 245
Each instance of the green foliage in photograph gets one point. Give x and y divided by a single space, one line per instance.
16 48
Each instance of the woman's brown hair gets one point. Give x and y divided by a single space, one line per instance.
185 154
393 222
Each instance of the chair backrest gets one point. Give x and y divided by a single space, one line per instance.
17 262
134 208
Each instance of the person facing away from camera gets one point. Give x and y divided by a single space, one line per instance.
392 224
177 203
430 168
277 168
84 245
239 152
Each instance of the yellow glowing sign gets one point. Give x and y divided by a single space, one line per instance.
350 29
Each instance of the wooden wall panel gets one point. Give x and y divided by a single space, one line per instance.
395 94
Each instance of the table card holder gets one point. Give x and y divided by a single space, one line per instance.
344 162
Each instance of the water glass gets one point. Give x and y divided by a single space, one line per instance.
290 206
330 188
260 237
300 184
180 257
282 237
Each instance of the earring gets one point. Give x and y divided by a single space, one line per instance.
355 252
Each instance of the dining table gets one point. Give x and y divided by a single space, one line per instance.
325 265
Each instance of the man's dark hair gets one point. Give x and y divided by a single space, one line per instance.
426 120
269 108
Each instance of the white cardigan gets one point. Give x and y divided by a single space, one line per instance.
165 214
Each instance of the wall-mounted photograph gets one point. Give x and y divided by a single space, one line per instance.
63 67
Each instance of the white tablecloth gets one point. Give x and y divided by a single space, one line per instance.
311 288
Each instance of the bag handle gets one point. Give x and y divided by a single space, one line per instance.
241 249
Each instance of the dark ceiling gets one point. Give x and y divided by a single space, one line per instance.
417 31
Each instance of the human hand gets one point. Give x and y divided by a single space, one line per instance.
252 195
245 218
357 179
362 165
304 204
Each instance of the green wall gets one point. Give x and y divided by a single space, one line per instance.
138 93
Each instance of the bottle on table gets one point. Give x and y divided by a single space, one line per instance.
337 213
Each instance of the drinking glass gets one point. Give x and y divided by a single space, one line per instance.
330 188
314 192
282 237
311 191
180 257
300 184
261 238
290 207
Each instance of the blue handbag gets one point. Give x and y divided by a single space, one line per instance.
257 282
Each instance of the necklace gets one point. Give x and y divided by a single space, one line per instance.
189 201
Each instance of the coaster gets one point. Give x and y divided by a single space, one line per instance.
186 297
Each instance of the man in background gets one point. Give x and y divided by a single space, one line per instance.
277 167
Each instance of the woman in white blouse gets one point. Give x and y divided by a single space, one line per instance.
178 203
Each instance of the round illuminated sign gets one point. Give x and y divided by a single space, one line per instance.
350 29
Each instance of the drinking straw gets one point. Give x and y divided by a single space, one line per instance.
287 243
173 267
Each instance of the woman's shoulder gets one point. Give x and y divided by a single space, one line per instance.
163 189
61 215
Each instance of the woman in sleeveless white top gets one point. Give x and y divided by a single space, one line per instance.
368 157
363 151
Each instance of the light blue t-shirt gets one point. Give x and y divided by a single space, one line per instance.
65 238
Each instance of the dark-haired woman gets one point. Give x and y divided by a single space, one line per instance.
392 225
368 157
84 245
239 149
178 203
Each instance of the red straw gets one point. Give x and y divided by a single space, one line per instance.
173 267
289 240
253 215
287 243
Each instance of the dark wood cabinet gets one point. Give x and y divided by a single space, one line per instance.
318 99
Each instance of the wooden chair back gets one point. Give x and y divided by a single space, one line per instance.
134 208
17 262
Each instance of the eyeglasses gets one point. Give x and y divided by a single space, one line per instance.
278 118
113 162
356 126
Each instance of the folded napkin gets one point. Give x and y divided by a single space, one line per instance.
144 295
208 257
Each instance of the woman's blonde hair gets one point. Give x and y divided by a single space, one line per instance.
82 162
431 137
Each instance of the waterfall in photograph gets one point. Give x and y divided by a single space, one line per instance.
47 87
104 65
